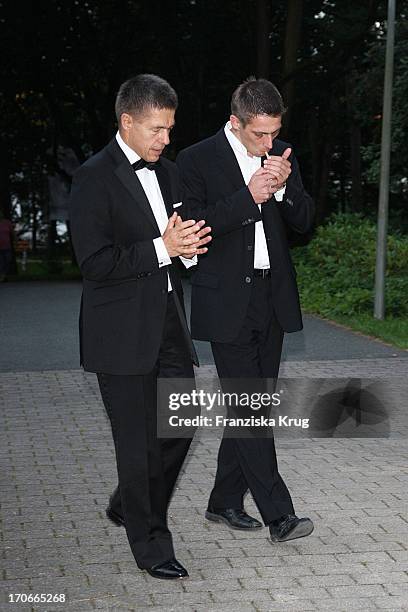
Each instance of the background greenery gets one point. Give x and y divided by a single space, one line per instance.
62 63
335 273
63 60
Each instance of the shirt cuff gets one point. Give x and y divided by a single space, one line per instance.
280 193
161 252
189 262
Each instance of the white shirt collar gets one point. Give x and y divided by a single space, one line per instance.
130 153
235 143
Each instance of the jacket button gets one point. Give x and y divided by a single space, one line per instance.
248 279
164 291
250 247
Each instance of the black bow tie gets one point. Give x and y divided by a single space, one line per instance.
142 163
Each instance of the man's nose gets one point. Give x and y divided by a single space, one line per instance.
165 137
268 142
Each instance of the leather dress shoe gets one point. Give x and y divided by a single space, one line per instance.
290 527
115 517
169 570
234 518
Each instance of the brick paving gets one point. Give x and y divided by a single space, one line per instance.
58 469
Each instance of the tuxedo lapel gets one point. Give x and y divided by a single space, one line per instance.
165 187
228 161
186 331
128 178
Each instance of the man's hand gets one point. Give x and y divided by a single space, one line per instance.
203 236
186 238
279 168
261 185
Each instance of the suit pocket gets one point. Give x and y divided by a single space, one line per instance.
204 279
115 292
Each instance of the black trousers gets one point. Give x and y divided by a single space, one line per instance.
147 466
250 463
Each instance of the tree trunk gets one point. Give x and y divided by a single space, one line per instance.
322 204
71 247
355 140
355 166
262 39
5 198
293 33
54 266
321 158
342 205
34 227
5 195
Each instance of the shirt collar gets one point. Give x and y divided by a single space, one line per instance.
235 143
130 153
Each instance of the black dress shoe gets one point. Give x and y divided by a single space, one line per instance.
169 570
290 527
115 517
236 519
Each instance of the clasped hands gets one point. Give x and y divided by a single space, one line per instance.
270 177
186 238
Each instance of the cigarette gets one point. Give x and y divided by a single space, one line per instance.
267 155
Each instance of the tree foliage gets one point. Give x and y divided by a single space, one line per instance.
336 270
62 63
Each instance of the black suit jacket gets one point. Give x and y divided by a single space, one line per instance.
215 191
124 291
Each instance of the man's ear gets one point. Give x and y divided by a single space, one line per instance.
235 122
126 122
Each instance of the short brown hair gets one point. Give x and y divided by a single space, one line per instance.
256 97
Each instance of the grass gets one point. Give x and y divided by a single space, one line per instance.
336 276
393 331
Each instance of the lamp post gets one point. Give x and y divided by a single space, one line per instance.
382 224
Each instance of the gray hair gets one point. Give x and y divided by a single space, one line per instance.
142 92
256 97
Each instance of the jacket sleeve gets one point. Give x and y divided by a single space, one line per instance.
297 207
99 257
225 214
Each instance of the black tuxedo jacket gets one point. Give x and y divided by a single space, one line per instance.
124 291
215 191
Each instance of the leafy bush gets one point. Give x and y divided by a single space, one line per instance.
336 271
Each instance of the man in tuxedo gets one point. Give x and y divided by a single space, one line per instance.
246 184
127 235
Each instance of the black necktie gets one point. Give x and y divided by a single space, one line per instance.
142 163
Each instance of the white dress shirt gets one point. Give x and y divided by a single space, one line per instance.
248 165
150 184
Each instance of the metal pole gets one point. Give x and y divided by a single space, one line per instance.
385 168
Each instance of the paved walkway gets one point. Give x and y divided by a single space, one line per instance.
39 331
57 470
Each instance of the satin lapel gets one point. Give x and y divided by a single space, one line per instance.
128 178
163 179
187 335
228 161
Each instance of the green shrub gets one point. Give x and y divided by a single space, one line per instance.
336 271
